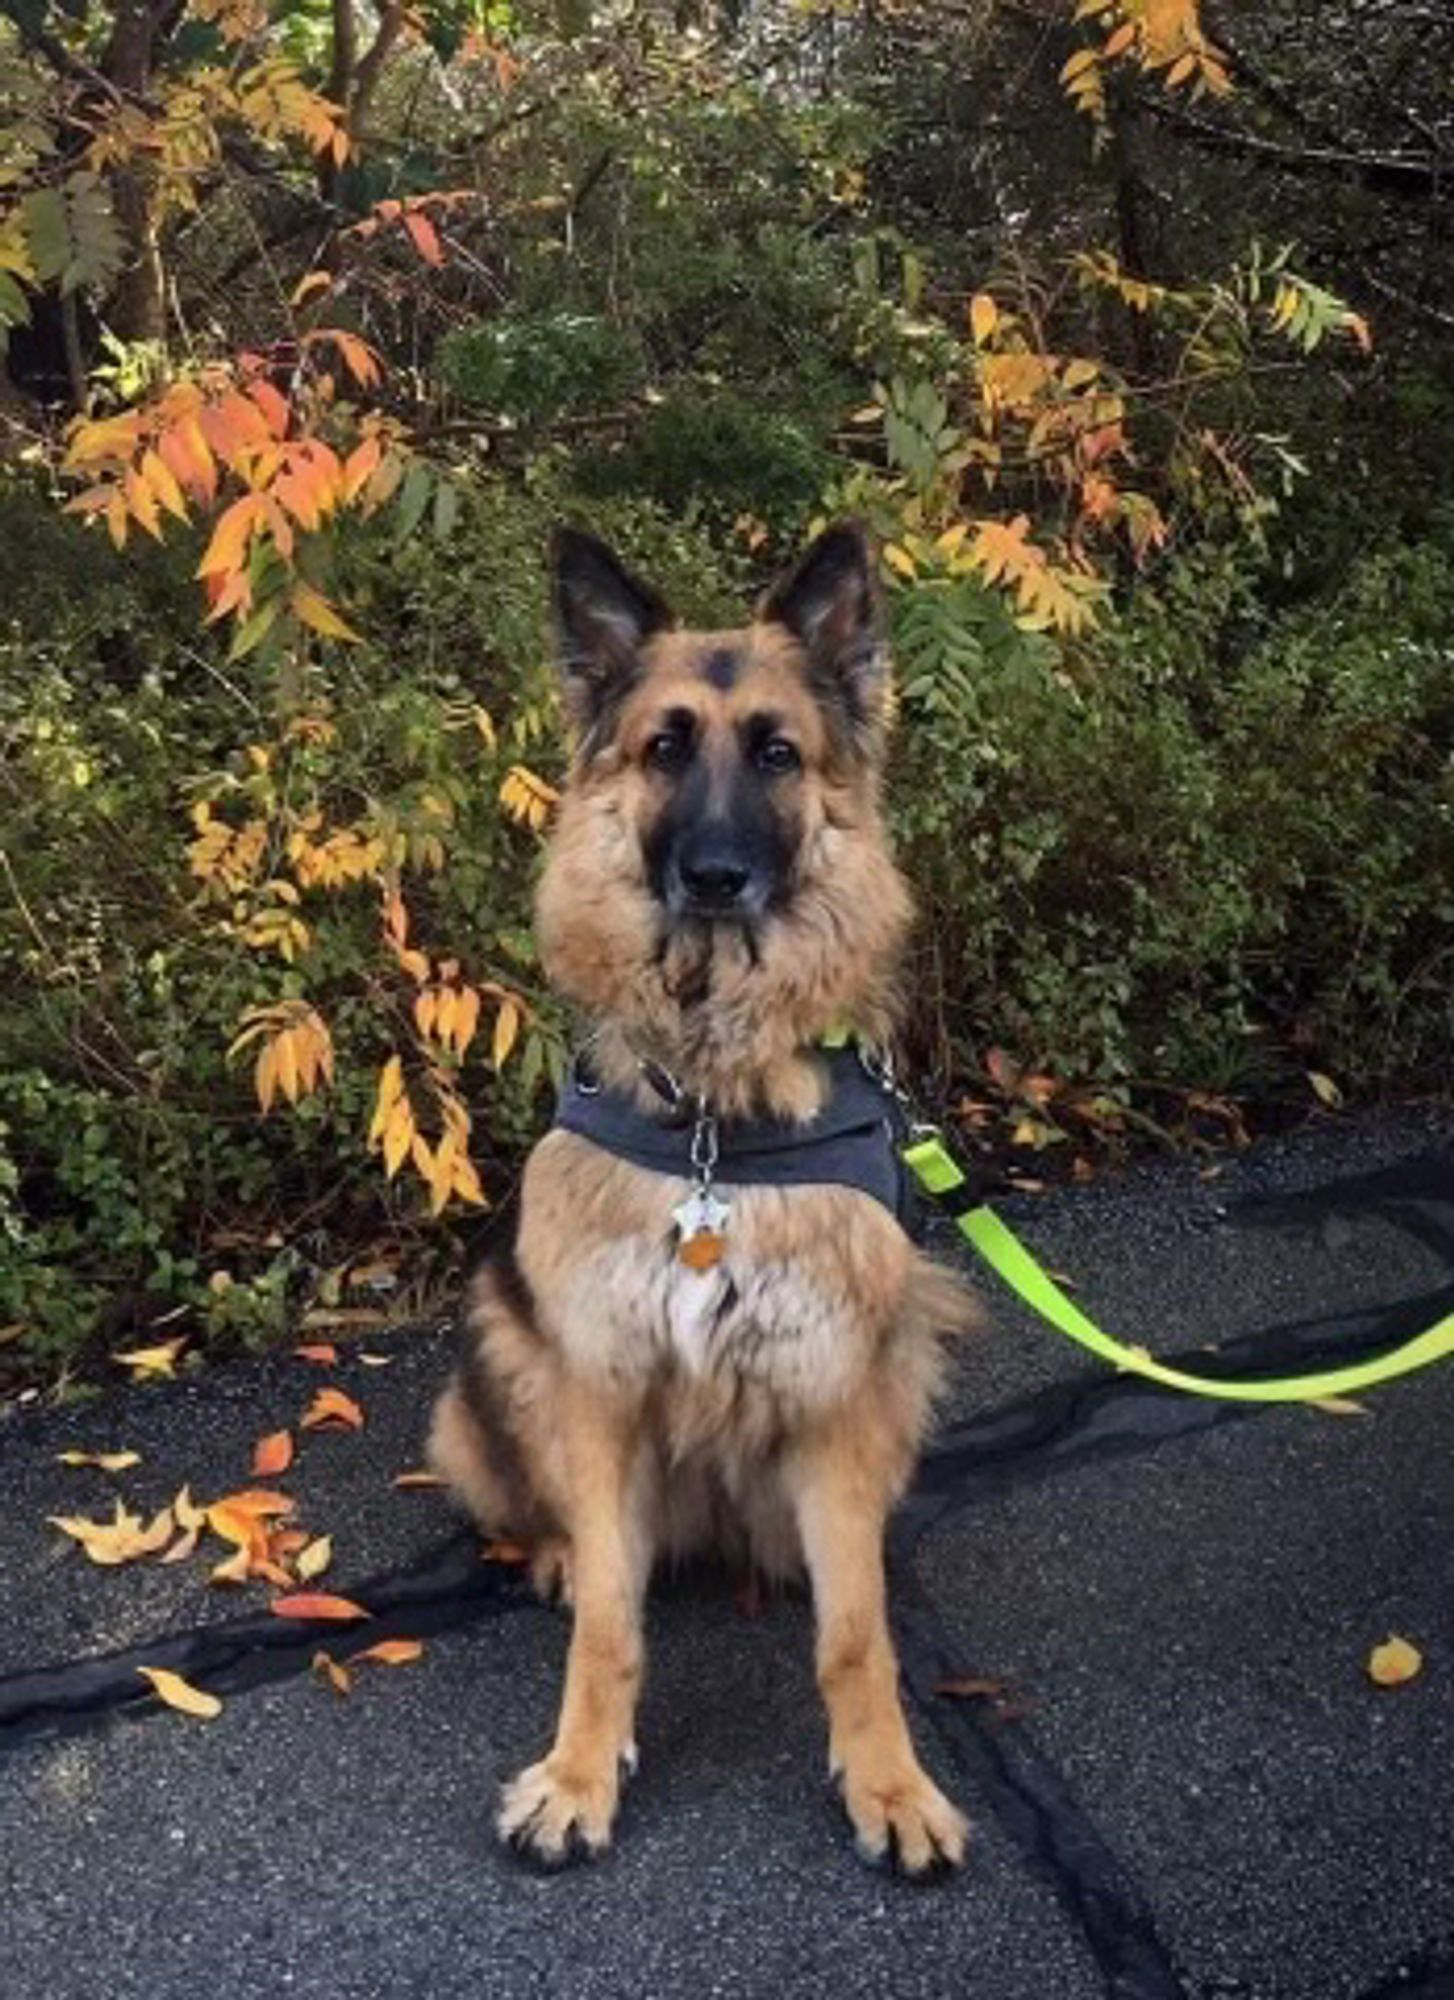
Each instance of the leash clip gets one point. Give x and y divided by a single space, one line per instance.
701 1219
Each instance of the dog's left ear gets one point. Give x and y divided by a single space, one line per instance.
830 605
603 615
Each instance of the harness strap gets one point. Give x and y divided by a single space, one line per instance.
939 1174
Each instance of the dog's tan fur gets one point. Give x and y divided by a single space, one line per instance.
620 1408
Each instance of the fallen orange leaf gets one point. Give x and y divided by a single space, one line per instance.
317 1350
257 1501
331 1406
288 1541
339 1678
406 1481
390 1652
180 1694
316 1604
272 1454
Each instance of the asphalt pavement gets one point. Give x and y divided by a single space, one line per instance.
1187 1787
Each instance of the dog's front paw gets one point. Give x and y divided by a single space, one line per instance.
558 1812
901 1814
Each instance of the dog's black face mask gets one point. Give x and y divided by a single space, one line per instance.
722 844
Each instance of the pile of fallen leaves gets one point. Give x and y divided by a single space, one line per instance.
256 1524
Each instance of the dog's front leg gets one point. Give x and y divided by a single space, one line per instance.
842 1493
567 1802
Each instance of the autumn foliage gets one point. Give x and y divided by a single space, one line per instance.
328 318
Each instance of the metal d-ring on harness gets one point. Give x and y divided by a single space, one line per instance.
929 1159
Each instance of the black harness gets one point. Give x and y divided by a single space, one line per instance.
854 1141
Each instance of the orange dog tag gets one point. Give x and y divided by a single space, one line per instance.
703 1250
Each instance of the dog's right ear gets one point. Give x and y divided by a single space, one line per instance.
603 617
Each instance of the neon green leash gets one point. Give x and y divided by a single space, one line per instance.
930 1161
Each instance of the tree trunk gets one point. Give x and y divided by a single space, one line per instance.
138 309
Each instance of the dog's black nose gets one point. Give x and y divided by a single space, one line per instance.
714 882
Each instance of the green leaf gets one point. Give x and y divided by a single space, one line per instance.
47 232
413 498
99 247
446 509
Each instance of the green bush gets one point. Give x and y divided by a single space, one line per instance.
536 368
1211 849
716 456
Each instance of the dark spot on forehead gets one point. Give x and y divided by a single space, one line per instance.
720 669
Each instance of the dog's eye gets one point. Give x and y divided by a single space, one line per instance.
667 751
777 756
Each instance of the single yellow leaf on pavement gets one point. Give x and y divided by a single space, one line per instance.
234 1569
144 1362
1339 1406
315 1558
108 1461
1394 1662
1326 1090
180 1694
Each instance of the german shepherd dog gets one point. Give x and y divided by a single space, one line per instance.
717 896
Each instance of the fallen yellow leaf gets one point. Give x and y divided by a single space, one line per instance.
108 1461
189 1514
1339 1406
1394 1662
184 1546
144 1362
180 1694
315 1558
119 1540
234 1569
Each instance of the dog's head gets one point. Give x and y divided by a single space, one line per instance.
720 846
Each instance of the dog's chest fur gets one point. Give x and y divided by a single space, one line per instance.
807 1282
